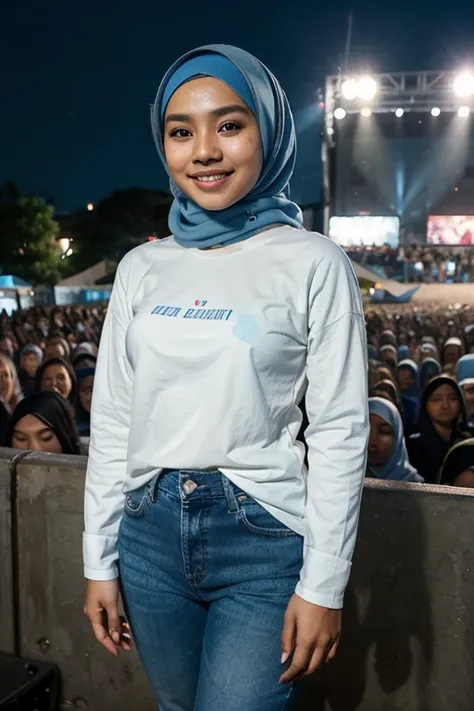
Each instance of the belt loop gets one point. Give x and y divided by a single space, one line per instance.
230 494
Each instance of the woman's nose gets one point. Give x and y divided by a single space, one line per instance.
207 149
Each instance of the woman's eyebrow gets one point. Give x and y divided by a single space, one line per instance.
220 111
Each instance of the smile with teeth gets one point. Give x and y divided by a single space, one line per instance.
211 178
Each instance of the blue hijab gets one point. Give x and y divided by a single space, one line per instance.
465 370
429 369
268 202
410 398
403 352
397 468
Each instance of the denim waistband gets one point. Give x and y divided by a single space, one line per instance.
190 484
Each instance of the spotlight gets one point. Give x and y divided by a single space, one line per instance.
464 111
367 88
435 111
366 112
464 84
399 113
350 89
339 113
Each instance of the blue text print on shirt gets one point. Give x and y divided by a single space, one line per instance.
198 312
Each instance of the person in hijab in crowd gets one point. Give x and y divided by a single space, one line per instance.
10 389
429 369
387 454
465 380
57 375
388 338
85 384
374 378
55 349
428 350
452 351
409 386
7 347
469 338
84 356
403 352
193 454
458 467
383 373
388 356
441 424
43 422
31 356
388 390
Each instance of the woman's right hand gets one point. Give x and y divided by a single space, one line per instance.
102 610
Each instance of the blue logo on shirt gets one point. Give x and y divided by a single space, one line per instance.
197 312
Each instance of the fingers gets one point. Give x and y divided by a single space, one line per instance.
307 659
299 663
99 622
288 635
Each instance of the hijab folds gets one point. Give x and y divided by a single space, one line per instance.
268 202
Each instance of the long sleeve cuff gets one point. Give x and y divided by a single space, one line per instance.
100 556
323 579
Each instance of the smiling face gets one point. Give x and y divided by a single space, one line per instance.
212 143
56 379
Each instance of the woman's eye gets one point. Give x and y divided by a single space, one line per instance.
229 126
180 133
47 437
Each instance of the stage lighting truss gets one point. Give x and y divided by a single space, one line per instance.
398 93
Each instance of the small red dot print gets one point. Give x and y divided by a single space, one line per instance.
196 303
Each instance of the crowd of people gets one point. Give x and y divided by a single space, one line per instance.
426 264
47 367
421 380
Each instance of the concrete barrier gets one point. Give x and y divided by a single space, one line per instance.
408 635
7 641
53 627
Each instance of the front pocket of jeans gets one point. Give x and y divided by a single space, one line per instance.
135 502
260 521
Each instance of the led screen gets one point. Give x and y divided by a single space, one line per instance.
451 230
365 230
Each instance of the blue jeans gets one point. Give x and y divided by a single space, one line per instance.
206 575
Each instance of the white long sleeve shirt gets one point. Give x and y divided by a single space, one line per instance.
204 358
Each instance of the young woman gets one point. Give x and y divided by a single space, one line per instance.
409 386
10 389
30 360
387 454
458 467
389 357
465 379
57 375
441 424
43 423
388 391
211 339
429 369
452 351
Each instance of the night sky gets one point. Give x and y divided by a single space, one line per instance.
77 76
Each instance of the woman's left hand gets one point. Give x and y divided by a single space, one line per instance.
311 635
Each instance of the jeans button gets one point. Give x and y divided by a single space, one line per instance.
189 486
